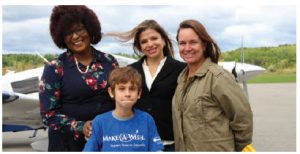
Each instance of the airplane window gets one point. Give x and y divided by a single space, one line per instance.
26 86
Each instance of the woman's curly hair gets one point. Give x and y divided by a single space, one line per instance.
64 16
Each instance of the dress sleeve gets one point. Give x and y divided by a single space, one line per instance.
95 141
155 143
236 107
114 62
51 103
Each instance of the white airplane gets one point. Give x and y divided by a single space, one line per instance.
20 96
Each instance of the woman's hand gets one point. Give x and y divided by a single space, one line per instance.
87 129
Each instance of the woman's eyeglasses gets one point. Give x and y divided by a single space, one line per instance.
80 32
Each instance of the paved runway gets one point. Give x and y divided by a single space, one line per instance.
274 110
20 141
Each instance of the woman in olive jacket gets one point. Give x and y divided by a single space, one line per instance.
210 110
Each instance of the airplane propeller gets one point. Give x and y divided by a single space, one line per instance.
245 87
242 76
234 71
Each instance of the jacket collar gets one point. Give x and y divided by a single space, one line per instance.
165 70
167 67
199 73
204 68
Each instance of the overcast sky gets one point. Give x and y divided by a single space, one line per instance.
25 28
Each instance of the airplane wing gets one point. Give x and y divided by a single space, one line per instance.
124 61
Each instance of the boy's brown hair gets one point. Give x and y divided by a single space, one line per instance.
124 75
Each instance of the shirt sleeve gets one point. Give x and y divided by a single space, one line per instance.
236 107
95 141
155 143
113 61
50 102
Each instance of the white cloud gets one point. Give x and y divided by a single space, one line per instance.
22 13
27 27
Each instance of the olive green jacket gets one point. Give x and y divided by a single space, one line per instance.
211 112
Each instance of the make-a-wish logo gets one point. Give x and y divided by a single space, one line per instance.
124 137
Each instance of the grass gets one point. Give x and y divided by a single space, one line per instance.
274 78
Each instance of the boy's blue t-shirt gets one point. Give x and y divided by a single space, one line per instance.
138 133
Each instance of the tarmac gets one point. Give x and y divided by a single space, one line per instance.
274 115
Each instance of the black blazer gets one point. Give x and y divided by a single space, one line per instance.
158 101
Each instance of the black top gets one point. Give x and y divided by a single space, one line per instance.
158 101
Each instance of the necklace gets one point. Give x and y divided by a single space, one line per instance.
86 70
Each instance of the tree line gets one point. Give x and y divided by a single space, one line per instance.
21 62
273 59
280 58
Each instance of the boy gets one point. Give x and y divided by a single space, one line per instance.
124 128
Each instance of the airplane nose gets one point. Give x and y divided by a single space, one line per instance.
247 71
